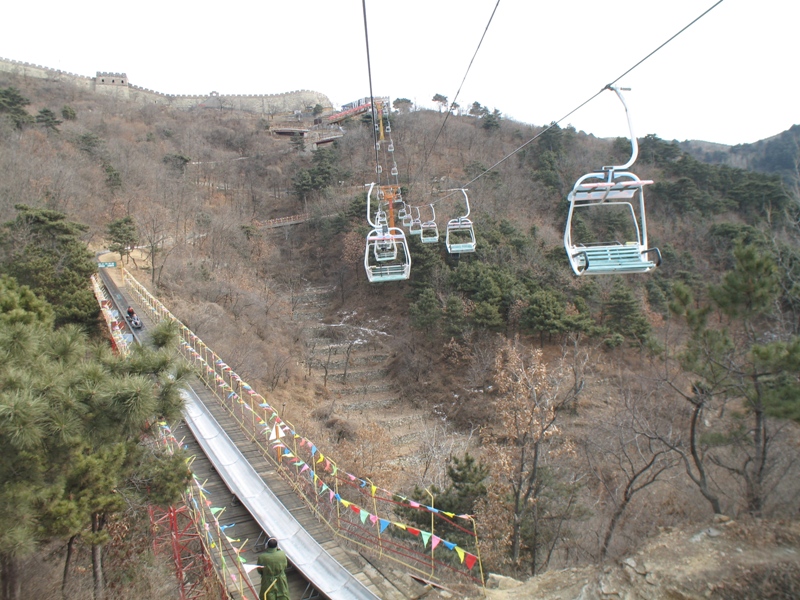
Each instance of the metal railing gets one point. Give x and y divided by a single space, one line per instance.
221 550
107 309
354 508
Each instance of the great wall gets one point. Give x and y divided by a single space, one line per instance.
118 85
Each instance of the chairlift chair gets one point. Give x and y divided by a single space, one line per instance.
430 231
612 188
407 217
386 255
387 268
416 222
384 248
460 234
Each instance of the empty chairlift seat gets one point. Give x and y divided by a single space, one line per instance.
620 194
386 254
624 193
460 233
387 257
415 227
429 233
460 236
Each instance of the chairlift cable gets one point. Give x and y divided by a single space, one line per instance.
371 96
665 43
386 254
554 123
447 115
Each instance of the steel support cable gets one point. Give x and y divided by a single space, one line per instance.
447 115
584 103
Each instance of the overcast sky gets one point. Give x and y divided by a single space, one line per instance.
730 78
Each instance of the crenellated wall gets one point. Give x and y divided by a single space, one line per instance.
117 84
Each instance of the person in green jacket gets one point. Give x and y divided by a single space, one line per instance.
272 567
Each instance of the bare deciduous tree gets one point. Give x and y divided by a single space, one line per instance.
624 458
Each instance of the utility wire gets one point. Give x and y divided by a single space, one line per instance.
447 116
584 103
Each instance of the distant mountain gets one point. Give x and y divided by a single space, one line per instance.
777 154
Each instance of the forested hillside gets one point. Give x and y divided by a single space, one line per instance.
777 154
594 410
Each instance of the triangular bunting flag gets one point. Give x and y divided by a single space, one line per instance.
412 530
276 433
469 560
448 545
460 553
384 524
425 538
364 514
435 539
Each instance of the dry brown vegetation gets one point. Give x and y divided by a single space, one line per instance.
290 311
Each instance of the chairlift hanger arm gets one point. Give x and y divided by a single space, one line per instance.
369 207
634 142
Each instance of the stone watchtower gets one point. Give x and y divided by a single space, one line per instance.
112 84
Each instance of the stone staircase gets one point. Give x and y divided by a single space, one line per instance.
357 360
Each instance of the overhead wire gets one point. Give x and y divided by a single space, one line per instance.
448 112
582 104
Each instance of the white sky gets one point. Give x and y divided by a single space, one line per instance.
730 78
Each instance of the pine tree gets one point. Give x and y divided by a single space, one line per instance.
426 312
744 365
47 118
545 314
72 416
624 315
13 104
123 235
43 250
